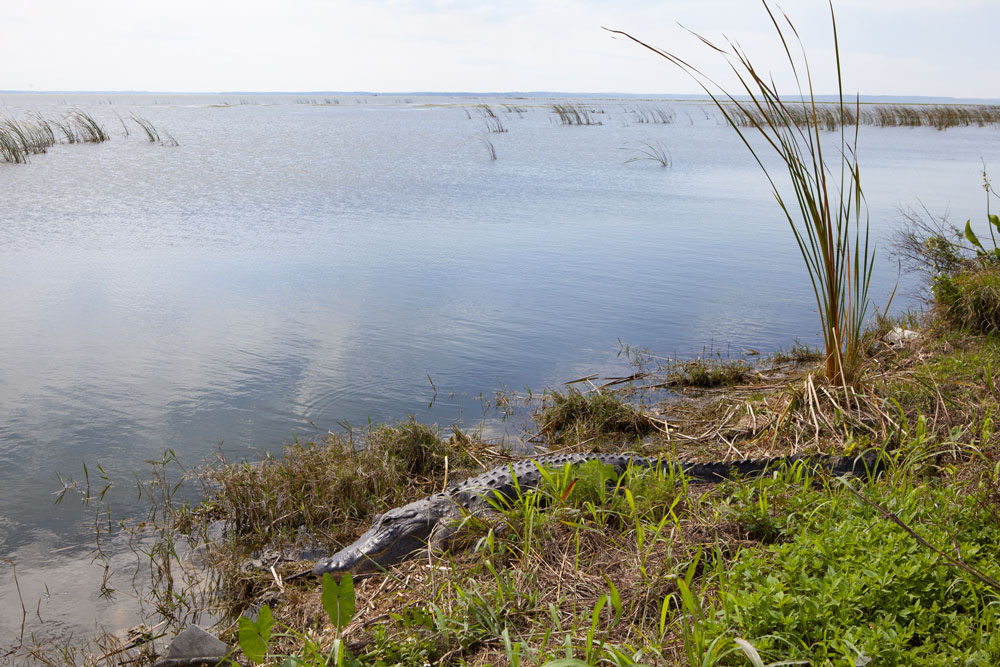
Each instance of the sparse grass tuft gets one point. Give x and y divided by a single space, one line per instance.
493 122
491 150
654 152
653 115
824 206
147 127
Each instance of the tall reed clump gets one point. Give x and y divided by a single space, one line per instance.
828 216
574 114
19 139
89 130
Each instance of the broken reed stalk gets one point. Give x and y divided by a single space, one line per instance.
827 224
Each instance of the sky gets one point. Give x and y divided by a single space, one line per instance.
888 47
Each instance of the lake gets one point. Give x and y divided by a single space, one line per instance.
298 262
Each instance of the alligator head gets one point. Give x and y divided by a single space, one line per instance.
392 537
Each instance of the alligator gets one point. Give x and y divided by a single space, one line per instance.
406 530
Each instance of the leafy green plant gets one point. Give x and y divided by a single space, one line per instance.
845 584
338 600
982 252
255 635
985 255
826 217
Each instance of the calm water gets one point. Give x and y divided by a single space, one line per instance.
291 265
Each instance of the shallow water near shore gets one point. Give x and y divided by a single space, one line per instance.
298 262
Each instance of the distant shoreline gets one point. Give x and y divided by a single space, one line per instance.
865 99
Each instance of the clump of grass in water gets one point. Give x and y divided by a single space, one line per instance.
827 225
654 152
575 415
147 127
493 122
88 129
653 115
20 139
152 134
574 114
709 373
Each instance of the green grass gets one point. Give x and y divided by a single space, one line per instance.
843 583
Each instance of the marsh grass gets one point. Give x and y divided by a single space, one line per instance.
653 115
830 118
574 114
147 128
151 133
491 150
492 120
653 151
88 129
21 139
